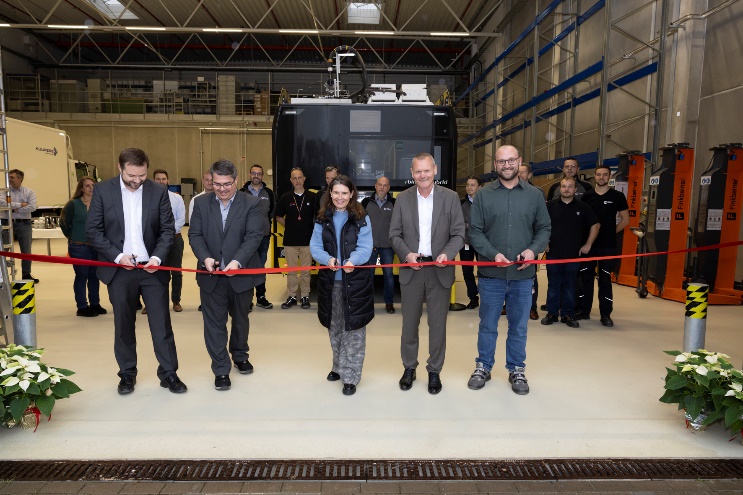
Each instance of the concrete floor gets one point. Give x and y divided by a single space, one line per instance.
594 391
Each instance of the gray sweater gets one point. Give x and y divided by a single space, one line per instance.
380 219
508 221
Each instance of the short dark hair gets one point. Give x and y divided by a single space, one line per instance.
255 165
573 159
569 178
19 173
527 165
332 168
223 167
160 171
474 177
133 156
601 165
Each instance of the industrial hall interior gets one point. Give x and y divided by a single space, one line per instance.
373 246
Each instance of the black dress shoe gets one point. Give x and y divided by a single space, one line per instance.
390 308
474 303
550 319
244 367
139 305
349 389
87 312
570 321
333 376
434 383
126 384
28 276
222 382
607 321
543 307
408 377
199 307
99 309
580 315
174 384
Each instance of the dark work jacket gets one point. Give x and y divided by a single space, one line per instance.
358 287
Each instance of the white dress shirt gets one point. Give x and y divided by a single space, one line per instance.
18 196
179 210
190 205
425 218
133 236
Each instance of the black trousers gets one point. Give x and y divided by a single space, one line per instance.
468 272
123 292
175 260
216 306
587 273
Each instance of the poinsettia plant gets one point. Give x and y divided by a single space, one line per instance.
733 402
699 382
28 384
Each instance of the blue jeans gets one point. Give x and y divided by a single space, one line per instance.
84 276
561 288
386 256
517 296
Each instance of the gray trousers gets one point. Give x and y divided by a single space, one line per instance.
22 231
349 347
424 286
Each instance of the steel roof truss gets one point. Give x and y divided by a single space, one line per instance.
376 54
208 50
294 48
244 19
51 12
268 11
456 17
414 14
172 61
98 47
232 54
170 13
201 2
264 51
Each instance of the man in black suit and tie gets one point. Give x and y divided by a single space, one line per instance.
226 230
427 225
130 222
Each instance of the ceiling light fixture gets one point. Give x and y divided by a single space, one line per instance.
383 33
450 34
5 25
299 31
144 28
71 26
222 30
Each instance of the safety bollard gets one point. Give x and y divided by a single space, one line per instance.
24 313
695 324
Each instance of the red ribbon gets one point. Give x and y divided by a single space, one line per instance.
37 413
285 269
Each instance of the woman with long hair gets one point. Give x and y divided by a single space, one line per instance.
342 239
72 221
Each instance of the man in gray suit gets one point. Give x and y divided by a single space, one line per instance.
226 230
427 225
130 222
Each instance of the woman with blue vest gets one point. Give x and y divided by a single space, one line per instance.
342 240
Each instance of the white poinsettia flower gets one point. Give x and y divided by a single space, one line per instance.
10 381
9 370
42 376
730 393
737 386
687 367
701 370
33 367
724 373
24 384
26 376
681 358
21 360
711 359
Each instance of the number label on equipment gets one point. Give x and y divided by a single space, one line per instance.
654 181
706 180
611 182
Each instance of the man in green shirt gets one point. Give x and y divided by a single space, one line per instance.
509 224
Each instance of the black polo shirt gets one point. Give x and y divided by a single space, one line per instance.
606 206
569 222
299 214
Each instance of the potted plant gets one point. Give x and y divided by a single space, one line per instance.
29 387
733 403
698 385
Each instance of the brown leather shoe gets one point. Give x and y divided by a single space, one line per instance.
533 315
503 311
390 309
177 307
144 310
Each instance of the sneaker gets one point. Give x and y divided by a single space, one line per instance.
479 377
517 379
570 321
290 301
262 302
305 302
607 321
244 367
87 312
580 315
549 319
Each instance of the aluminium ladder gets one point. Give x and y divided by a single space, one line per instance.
6 303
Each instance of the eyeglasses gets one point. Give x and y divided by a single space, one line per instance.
226 185
258 174
511 161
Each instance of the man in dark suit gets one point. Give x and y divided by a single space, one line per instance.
427 225
226 230
130 222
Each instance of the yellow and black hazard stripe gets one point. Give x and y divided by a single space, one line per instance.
696 301
24 298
